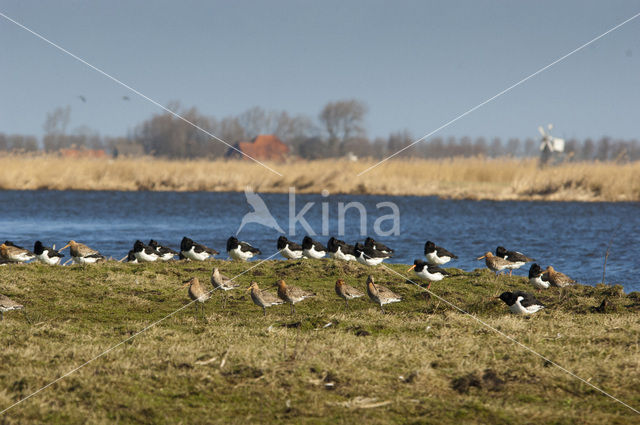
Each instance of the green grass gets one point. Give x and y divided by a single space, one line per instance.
422 362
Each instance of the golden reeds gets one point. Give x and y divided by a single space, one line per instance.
470 178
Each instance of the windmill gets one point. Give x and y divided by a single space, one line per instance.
549 145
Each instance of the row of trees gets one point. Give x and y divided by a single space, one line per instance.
339 130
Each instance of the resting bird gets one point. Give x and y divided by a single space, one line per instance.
14 253
7 304
165 252
558 279
262 298
369 256
381 295
46 255
436 255
292 294
428 272
195 251
347 292
340 250
144 253
82 254
289 250
516 258
521 302
313 249
538 278
495 264
370 243
239 250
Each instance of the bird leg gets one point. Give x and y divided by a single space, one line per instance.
382 308
346 301
510 272
1 315
293 309
264 311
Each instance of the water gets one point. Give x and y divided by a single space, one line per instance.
571 236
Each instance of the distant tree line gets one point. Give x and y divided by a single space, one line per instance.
338 130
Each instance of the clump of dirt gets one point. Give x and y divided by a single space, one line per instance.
489 381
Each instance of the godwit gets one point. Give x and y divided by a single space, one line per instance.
289 250
537 277
292 294
517 259
239 250
521 302
369 256
195 251
82 254
381 295
198 293
165 252
14 253
7 304
558 279
347 292
144 253
495 264
340 250
313 249
46 255
437 255
428 272
263 299
370 243
220 281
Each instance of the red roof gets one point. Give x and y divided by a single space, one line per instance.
264 147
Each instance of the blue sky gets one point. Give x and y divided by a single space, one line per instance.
416 64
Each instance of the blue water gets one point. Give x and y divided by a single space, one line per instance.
571 236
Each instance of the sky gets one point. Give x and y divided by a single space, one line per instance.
415 64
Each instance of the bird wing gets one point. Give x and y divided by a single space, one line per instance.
270 298
436 269
244 246
441 252
352 292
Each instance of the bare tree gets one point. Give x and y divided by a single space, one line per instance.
55 128
342 120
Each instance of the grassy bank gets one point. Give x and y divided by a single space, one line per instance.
423 362
472 178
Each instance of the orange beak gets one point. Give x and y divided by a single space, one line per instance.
480 258
64 247
411 268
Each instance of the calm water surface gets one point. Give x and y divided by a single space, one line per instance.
571 236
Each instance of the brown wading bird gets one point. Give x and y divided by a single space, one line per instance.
347 292
381 295
220 281
495 264
263 299
82 254
198 293
7 304
292 294
558 279
14 253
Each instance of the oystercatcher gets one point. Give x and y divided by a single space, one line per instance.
437 255
14 253
521 302
558 279
82 254
289 250
370 243
292 294
340 250
195 251
129 258
239 250
46 255
381 295
312 249
369 256
538 278
144 253
262 298
516 258
347 292
164 252
428 272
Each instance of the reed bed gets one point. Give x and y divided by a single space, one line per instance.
457 178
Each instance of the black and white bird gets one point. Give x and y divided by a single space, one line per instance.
289 249
538 278
313 249
144 253
428 272
129 258
46 255
521 302
437 255
163 251
369 256
195 251
340 250
517 259
371 243
239 250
